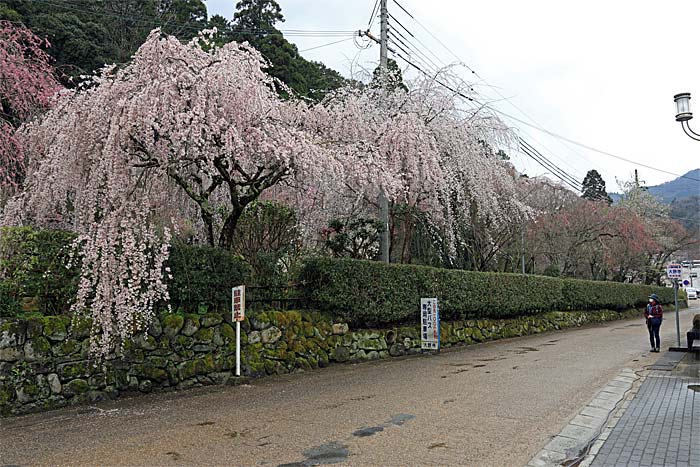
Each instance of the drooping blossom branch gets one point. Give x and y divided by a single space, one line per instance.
27 83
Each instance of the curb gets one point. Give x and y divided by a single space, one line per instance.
581 439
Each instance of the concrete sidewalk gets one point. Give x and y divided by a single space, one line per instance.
647 418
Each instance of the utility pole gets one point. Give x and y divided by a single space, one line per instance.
522 246
383 201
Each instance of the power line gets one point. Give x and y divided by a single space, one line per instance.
549 167
535 125
399 44
591 148
153 21
459 60
326 45
407 43
527 149
484 81
558 169
553 169
373 15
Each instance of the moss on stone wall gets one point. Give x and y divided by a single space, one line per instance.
44 361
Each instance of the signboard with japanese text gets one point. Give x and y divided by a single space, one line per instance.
238 303
673 271
430 324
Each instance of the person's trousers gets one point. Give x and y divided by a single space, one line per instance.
654 338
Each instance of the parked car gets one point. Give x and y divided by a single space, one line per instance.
692 293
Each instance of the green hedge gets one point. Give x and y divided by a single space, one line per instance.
34 277
33 270
203 277
373 293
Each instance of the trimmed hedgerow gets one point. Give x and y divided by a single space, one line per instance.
34 276
202 277
373 293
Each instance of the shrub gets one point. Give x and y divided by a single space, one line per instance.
9 303
33 267
33 270
202 277
374 293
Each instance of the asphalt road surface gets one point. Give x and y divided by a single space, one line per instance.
494 404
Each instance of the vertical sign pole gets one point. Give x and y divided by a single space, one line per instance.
238 348
437 324
678 323
238 315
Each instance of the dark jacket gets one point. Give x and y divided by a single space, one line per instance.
654 311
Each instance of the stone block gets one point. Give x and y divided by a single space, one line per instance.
68 371
37 348
253 338
55 328
271 335
371 343
54 383
155 329
80 328
145 386
341 354
172 324
35 327
220 377
396 349
75 387
211 319
260 321
191 325
11 354
12 334
203 336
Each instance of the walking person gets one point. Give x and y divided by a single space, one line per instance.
654 315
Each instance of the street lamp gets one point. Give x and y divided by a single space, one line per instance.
683 113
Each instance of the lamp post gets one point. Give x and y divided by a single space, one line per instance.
683 114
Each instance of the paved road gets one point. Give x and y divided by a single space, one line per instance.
495 404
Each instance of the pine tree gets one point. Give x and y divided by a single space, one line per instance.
594 188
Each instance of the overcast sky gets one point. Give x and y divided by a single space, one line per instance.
600 72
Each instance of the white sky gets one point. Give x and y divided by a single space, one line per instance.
601 72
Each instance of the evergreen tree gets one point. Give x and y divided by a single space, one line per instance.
255 22
86 34
594 188
394 77
258 15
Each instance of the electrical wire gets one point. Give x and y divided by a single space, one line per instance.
416 51
527 149
531 151
536 125
490 86
152 21
372 15
553 169
326 45
591 148
558 169
459 60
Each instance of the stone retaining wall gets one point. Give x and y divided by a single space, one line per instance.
44 360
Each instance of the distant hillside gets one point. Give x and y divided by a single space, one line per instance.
677 189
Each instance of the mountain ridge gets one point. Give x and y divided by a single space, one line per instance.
674 190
